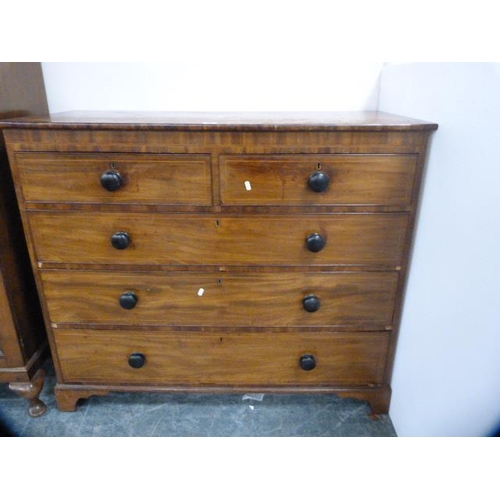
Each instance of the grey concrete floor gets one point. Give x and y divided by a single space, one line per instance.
153 414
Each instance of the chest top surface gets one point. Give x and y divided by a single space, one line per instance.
286 121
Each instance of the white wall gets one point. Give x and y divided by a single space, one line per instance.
211 86
447 373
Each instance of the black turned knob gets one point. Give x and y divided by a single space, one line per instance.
311 303
111 180
137 360
121 240
307 362
318 181
315 242
128 300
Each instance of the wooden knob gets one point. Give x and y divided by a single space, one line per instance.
315 242
111 180
121 240
318 181
311 303
128 300
137 360
307 362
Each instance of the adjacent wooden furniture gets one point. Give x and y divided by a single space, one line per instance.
220 252
23 342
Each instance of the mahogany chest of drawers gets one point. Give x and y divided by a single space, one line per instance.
220 252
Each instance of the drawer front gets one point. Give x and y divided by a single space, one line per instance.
235 300
350 239
341 179
96 356
137 178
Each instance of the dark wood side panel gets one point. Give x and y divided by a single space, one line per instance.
10 351
26 332
23 346
22 91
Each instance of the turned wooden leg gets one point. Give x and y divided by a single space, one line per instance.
31 391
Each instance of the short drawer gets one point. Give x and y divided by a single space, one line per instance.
115 178
349 239
233 300
194 359
317 179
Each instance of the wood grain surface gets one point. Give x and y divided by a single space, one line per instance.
225 299
256 121
153 179
283 179
94 356
351 239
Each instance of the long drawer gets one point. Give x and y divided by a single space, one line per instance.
134 178
236 300
349 239
317 179
97 356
